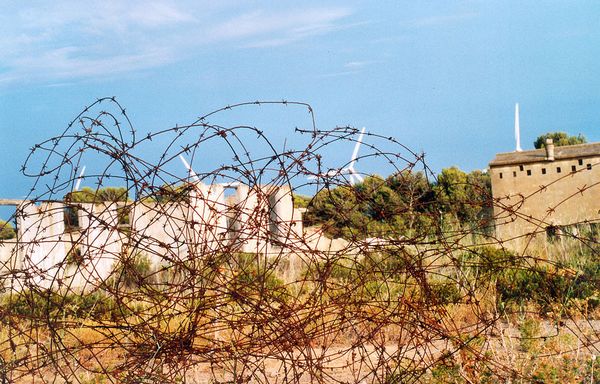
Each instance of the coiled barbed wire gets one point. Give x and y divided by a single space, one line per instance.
272 266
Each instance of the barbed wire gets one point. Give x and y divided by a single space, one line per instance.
279 266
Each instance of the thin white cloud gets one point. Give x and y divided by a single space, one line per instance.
280 28
441 20
339 74
158 14
69 41
359 64
351 68
64 64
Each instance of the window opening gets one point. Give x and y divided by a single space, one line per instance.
71 217
8 223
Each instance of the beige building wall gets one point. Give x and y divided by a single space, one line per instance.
532 193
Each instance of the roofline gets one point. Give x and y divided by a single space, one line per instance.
539 155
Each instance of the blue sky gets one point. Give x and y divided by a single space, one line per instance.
442 77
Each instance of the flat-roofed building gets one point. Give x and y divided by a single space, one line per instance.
545 192
63 243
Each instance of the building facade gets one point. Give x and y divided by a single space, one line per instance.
544 193
49 251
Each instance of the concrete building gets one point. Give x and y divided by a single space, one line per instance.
544 193
49 253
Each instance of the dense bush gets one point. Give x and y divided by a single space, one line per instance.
253 278
559 139
55 305
7 231
405 204
131 272
106 194
549 286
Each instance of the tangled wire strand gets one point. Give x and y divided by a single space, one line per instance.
221 275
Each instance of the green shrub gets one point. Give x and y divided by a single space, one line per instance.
445 292
301 201
34 304
559 371
446 370
488 261
7 231
132 272
530 330
548 287
255 280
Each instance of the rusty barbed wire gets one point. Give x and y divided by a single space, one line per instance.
278 265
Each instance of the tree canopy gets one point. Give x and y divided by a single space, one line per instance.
403 204
559 139
465 197
88 195
7 231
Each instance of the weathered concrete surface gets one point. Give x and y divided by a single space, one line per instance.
532 193
41 241
260 220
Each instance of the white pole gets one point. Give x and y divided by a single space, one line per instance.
517 129
78 182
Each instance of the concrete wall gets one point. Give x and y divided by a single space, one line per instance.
285 220
207 219
98 245
253 220
249 216
531 197
159 230
41 242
